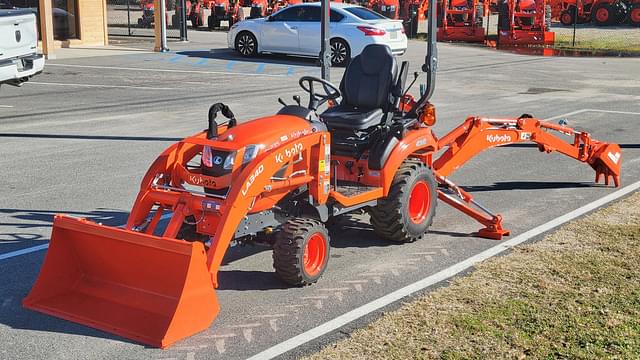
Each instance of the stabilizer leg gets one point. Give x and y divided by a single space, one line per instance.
463 201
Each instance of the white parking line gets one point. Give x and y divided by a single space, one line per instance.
166 70
6 106
101 86
23 251
442 275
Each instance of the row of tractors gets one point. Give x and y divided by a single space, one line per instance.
519 22
599 12
230 11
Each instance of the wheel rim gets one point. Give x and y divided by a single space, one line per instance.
567 18
602 15
338 52
419 202
314 254
635 15
246 45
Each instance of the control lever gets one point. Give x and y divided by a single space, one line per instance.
297 99
282 102
415 77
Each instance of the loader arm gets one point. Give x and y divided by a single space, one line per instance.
257 179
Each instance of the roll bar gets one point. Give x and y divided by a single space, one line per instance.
430 65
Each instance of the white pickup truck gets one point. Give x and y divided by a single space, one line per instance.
19 59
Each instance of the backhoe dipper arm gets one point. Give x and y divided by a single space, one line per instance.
478 134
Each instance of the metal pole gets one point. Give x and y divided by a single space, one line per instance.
128 18
575 22
183 20
163 26
325 49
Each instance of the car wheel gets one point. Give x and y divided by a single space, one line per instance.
246 44
340 52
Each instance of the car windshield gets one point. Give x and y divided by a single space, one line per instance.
364 13
5 5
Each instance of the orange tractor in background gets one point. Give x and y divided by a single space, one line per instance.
412 12
524 22
276 181
223 10
388 8
461 20
278 5
600 12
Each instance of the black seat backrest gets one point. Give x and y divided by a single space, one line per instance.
370 79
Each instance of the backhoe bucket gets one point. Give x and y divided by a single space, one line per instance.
146 288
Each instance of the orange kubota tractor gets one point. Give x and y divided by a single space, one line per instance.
223 10
600 12
461 20
277 180
388 8
524 23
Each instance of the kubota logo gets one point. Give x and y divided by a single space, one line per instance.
201 181
498 138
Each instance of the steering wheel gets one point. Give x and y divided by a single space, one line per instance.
331 92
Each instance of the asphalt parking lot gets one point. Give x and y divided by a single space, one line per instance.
79 137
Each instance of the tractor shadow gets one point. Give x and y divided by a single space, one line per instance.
18 274
37 225
230 55
529 185
243 280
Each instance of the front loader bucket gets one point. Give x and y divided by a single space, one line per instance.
149 289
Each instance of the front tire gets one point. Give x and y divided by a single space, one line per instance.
567 16
406 213
246 44
301 251
340 52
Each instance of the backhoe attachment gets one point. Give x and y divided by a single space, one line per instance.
478 134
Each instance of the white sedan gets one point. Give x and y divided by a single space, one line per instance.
295 30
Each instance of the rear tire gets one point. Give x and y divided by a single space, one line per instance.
301 251
567 16
340 52
406 213
634 15
603 15
246 44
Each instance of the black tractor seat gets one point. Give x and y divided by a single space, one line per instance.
352 117
369 90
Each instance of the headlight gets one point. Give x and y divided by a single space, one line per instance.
250 152
234 26
207 158
228 162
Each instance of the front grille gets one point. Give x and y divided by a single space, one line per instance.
217 169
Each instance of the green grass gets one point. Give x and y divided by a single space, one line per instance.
573 295
621 44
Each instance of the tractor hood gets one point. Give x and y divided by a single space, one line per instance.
268 132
